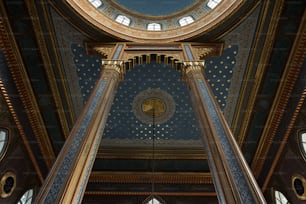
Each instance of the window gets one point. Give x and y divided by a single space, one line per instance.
213 3
154 26
123 20
186 20
303 142
96 3
280 198
27 197
153 201
3 141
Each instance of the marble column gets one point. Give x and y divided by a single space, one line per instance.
68 177
233 180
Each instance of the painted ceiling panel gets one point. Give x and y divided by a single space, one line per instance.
122 123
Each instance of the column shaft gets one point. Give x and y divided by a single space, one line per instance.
68 177
233 180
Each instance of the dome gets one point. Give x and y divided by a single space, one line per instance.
155 21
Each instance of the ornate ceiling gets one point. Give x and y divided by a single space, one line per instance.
60 71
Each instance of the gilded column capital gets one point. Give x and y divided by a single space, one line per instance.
192 67
115 65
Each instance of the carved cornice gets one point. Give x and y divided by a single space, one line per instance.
21 80
147 177
47 61
293 68
146 153
105 52
202 51
99 193
289 78
7 42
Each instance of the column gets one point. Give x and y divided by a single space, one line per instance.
233 180
68 177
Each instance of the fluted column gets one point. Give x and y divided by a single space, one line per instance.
233 180
68 177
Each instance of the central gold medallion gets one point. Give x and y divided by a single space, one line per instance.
154 106
153 101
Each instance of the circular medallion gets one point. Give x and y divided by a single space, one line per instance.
153 104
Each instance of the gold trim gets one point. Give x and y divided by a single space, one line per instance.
297 176
200 26
27 96
289 78
49 72
5 41
146 153
8 174
148 177
248 110
101 193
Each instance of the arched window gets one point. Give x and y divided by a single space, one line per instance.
153 200
96 3
280 198
27 197
123 20
3 141
186 20
154 26
302 138
213 3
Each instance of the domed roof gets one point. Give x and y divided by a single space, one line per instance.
156 7
155 21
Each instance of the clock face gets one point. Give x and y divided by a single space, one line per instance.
153 107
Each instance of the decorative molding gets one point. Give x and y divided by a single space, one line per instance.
99 193
105 52
281 99
8 42
147 177
47 62
202 25
160 153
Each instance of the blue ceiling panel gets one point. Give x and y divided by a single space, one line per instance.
156 7
123 124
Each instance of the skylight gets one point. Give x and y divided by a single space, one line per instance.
186 20
213 3
123 20
96 3
154 26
